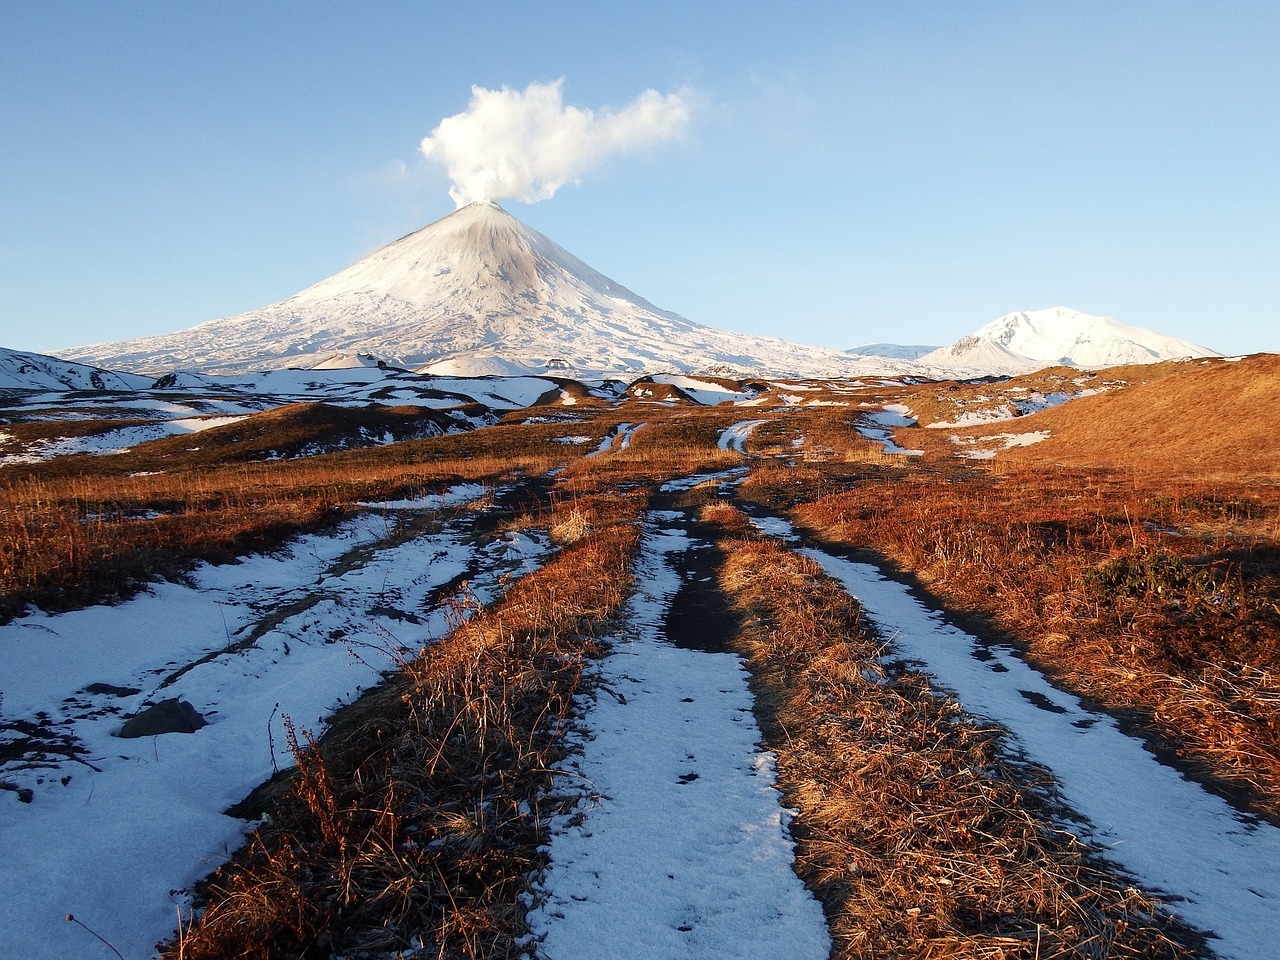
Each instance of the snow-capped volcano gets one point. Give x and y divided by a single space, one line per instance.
475 292
1029 340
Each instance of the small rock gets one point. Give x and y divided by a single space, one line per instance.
167 716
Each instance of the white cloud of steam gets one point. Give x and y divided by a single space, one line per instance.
526 144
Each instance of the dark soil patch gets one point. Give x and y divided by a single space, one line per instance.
700 616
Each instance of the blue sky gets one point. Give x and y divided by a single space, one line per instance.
852 172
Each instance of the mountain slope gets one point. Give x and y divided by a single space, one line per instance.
473 288
35 371
1029 340
1210 417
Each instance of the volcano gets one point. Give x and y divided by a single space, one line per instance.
475 293
1033 339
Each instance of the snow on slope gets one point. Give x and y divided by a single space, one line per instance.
473 290
1030 340
35 371
346 361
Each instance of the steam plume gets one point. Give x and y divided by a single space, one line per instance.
525 145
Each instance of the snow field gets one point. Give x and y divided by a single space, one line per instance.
679 846
118 843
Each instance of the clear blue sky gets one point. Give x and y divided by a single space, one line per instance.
854 172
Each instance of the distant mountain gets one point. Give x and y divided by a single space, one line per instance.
475 292
894 351
35 371
1030 340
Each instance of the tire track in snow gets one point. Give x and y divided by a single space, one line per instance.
735 437
617 439
681 849
1165 830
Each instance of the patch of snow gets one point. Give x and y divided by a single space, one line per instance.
985 448
737 474
735 437
477 365
114 441
705 392
679 847
973 418
453 497
118 839
878 426
617 439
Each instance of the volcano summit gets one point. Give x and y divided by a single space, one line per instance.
477 292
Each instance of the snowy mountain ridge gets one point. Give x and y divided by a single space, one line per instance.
478 293
1023 341
475 292
36 371
893 351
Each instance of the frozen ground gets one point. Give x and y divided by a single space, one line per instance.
679 847
117 834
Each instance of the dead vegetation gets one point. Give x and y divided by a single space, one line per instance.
919 834
84 530
1193 420
414 824
1160 601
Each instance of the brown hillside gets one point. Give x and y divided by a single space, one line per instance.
1216 418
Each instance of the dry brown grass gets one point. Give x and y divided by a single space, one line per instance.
83 529
1158 599
1201 419
87 531
919 834
415 824
672 442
